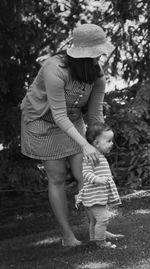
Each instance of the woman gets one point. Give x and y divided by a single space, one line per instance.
52 123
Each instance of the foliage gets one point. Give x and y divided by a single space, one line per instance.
31 29
128 113
128 109
28 29
19 174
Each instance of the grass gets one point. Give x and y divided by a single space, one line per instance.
31 239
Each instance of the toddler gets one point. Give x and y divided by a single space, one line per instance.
99 189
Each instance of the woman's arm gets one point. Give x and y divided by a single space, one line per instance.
54 80
95 104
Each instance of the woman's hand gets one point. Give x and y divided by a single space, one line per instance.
91 154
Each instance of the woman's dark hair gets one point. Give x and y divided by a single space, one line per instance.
95 130
82 69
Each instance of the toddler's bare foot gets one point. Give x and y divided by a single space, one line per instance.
105 244
114 236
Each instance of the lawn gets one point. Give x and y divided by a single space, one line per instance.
30 238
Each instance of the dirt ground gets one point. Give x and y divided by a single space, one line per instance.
30 236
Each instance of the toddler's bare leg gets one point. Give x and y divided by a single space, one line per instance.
101 216
92 222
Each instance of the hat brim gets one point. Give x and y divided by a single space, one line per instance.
90 52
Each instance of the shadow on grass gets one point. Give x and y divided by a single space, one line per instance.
42 248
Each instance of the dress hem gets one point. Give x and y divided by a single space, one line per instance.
49 158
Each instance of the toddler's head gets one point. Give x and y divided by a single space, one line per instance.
101 136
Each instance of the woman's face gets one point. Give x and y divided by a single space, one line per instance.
96 60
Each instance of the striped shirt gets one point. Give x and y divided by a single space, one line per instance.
93 193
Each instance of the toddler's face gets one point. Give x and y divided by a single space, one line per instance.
104 142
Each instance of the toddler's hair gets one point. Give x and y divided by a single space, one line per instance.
95 130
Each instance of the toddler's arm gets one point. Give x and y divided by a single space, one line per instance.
89 175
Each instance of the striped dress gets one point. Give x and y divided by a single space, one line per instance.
100 194
52 105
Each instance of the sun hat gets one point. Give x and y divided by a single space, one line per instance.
89 41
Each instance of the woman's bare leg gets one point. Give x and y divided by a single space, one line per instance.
76 168
56 172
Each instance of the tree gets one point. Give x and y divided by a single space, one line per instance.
129 109
29 30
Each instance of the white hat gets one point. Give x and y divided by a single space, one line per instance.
89 41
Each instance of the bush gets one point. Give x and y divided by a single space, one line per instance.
127 111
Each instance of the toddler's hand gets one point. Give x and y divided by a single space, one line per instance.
102 180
